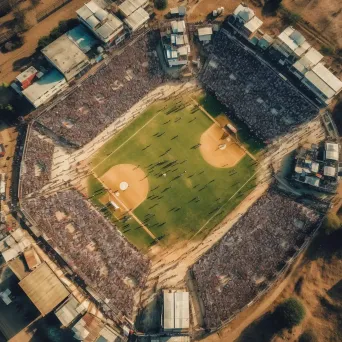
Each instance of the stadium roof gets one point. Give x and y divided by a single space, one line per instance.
130 6
137 19
44 289
46 87
294 40
80 36
176 310
66 56
104 24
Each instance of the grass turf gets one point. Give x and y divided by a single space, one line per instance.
182 203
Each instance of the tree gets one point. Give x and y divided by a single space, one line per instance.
290 313
20 22
307 336
160 4
43 41
331 223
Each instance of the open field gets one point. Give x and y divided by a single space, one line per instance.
185 194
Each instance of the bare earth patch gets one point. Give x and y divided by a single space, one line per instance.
218 149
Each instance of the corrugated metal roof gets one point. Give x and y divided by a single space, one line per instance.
245 13
182 317
68 311
319 84
291 38
80 36
169 310
254 24
137 19
176 310
130 6
26 74
44 289
328 77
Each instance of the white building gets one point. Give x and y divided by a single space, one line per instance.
176 311
137 19
106 26
130 6
245 20
205 34
66 56
291 44
45 88
176 44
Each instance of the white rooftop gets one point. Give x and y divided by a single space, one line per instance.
324 80
254 24
204 31
68 311
245 13
130 6
103 23
176 310
178 26
294 40
67 57
314 181
26 74
137 19
45 87
329 171
331 151
310 59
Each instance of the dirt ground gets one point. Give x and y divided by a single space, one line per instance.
31 37
213 140
137 185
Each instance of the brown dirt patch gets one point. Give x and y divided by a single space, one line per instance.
222 120
213 155
137 185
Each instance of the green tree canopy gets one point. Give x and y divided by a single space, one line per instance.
290 313
160 4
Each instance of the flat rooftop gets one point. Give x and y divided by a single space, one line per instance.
44 289
68 58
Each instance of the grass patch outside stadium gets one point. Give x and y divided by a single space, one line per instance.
186 196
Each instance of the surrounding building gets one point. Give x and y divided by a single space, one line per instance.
170 339
205 34
69 311
82 38
175 43
67 57
44 289
245 21
26 78
137 19
291 44
179 11
317 167
176 309
319 79
45 88
106 26
130 6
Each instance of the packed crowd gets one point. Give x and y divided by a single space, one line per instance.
36 170
108 94
93 247
249 257
253 91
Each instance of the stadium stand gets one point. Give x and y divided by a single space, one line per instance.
108 94
36 170
251 255
95 249
253 91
